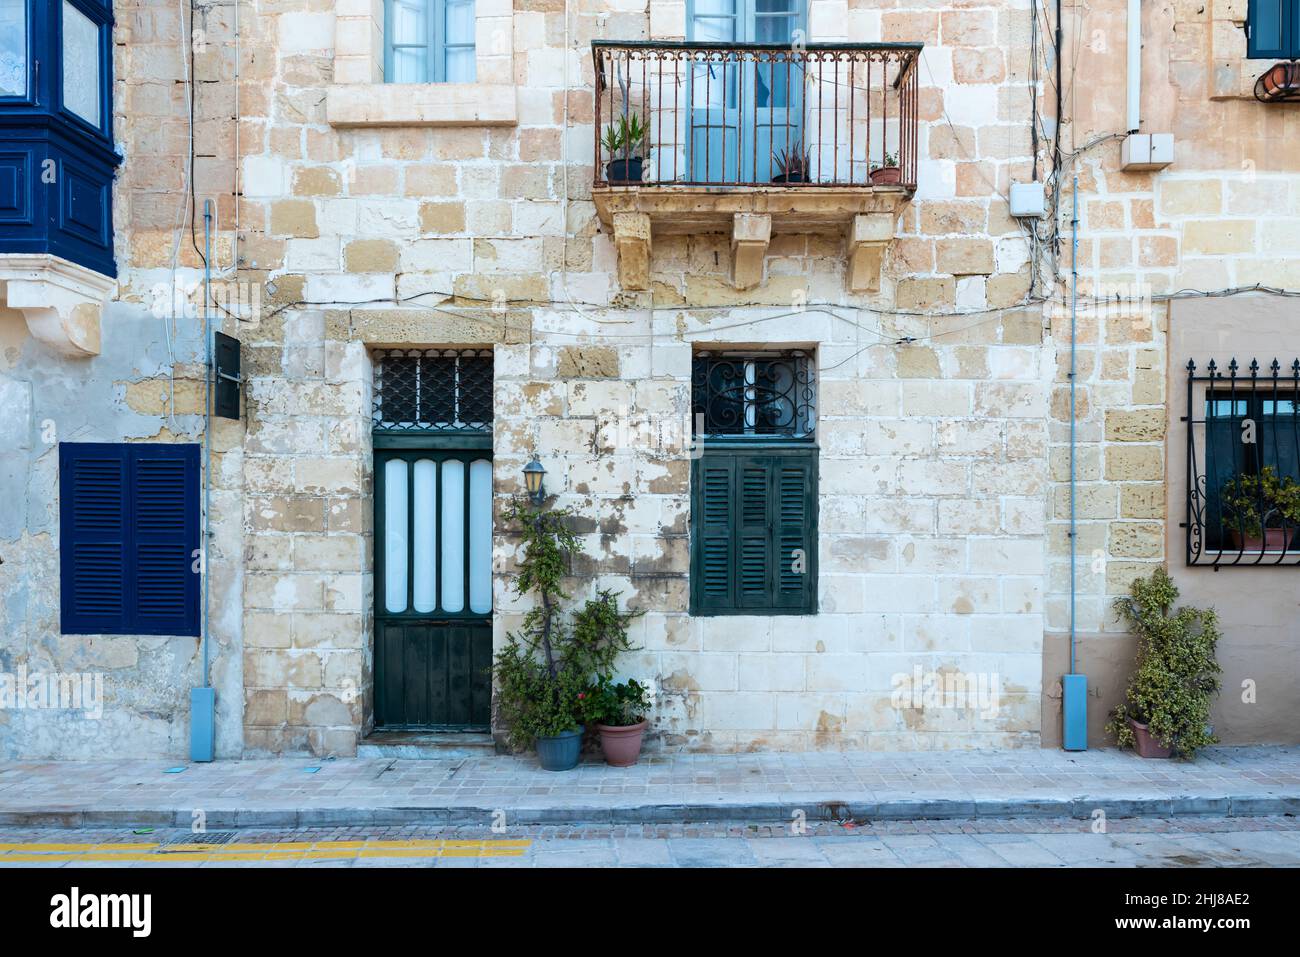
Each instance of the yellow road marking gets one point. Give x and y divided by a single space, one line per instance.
261 851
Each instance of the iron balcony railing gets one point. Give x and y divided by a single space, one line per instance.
1243 465
751 114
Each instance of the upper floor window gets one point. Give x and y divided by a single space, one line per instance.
1273 30
82 76
13 47
56 126
429 41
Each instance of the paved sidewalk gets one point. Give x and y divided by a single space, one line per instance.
297 792
1188 841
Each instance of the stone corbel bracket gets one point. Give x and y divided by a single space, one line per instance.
61 301
750 217
869 236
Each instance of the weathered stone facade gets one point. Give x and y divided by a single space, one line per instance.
365 219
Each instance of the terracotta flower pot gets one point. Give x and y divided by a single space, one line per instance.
886 176
1274 540
1147 745
622 745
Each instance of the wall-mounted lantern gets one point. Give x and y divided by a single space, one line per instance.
533 475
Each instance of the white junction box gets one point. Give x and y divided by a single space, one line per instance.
1146 151
1027 200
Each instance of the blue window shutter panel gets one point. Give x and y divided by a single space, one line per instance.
165 536
1274 27
129 530
93 538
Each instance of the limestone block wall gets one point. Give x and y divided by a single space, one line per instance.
943 404
1223 215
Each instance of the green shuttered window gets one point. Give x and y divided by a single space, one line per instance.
754 531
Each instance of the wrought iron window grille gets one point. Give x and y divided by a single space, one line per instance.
433 391
1243 465
754 395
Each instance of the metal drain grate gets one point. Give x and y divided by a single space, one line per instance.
212 838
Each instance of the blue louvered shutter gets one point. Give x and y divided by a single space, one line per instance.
129 528
1273 30
165 536
93 537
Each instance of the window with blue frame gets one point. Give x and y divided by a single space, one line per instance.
1273 30
129 538
429 41
56 130
13 48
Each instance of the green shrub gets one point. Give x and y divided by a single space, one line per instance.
616 704
1252 502
1177 676
547 667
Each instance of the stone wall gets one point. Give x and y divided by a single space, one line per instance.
1223 215
943 398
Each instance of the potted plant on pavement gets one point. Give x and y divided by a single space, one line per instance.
1261 512
624 142
618 710
888 173
546 668
1167 705
793 165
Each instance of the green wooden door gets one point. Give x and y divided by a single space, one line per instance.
433 588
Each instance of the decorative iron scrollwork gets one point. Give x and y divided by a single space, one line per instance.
759 395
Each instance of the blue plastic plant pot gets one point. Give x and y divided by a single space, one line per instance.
561 752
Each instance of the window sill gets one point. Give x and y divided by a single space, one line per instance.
421 104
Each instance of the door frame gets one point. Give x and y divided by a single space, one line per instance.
439 448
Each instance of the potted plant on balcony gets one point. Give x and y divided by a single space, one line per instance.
547 667
624 142
888 173
618 710
793 165
1167 705
1261 512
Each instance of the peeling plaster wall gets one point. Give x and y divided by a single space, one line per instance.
118 396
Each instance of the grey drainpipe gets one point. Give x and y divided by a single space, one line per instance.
1074 687
203 699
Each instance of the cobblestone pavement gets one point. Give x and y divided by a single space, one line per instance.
1038 842
296 792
